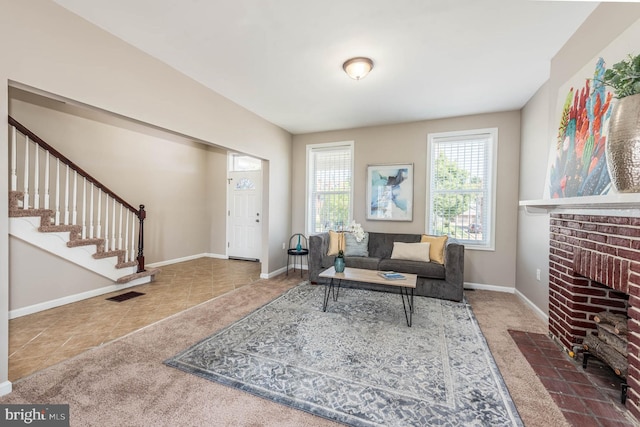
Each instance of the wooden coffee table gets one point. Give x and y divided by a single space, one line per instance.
369 276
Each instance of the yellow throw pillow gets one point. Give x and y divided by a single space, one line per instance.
336 242
436 252
411 251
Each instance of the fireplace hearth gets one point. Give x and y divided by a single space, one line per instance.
594 267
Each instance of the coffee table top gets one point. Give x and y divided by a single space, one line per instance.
369 276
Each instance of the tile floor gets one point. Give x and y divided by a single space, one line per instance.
588 397
43 339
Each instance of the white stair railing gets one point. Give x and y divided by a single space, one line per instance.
85 207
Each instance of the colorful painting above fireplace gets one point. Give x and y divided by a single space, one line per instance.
580 165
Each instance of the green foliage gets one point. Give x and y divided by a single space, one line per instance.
624 77
449 176
332 211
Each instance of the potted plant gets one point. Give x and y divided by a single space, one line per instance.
623 139
624 77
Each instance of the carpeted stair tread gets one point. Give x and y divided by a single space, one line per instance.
85 242
14 198
146 273
107 254
76 229
31 212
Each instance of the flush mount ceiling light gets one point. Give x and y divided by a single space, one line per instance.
357 68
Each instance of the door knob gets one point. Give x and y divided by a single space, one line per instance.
257 220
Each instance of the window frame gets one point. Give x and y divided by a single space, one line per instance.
490 189
311 148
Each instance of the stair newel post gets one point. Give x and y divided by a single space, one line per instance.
142 214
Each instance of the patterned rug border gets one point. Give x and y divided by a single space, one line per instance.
319 410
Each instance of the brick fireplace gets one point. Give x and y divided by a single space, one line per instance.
594 265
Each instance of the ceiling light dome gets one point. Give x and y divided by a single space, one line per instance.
357 68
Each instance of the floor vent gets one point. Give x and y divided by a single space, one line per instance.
125 296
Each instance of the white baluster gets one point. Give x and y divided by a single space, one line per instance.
66 197
91 212
57 191
99 224
84 207
26 174
14 160
134 221
75 198
113 225
36 177
47 160
106 223
120 229
126 237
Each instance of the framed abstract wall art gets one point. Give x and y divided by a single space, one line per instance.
390 192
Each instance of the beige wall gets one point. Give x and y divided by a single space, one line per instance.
44 46
539 127
407 143
32 282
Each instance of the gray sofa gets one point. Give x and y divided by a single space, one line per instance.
434 280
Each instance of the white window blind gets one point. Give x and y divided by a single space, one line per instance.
461 196
330 174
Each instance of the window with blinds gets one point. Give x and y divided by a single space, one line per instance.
461 186
329 182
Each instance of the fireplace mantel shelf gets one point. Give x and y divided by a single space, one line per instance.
613 201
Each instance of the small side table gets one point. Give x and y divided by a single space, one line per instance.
296 254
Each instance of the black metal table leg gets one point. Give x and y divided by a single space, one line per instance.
408 316
327 291
330 288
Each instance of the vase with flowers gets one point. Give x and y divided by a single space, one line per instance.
357 230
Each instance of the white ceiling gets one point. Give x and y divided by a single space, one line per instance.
282 59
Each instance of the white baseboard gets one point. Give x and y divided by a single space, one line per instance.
71 298
534 307
494 288
5 388
186 258
527 301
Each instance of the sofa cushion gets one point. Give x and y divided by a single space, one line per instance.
355 248
436 251
411 251
423 269
368 263
381 244
336 242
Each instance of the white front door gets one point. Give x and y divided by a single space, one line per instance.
245 215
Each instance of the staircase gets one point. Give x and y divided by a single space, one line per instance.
56 206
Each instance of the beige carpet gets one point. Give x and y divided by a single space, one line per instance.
496 313
125 383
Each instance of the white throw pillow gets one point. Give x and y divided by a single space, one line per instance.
411 251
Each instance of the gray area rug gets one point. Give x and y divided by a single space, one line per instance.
359 363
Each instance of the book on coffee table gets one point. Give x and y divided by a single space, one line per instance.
391 275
